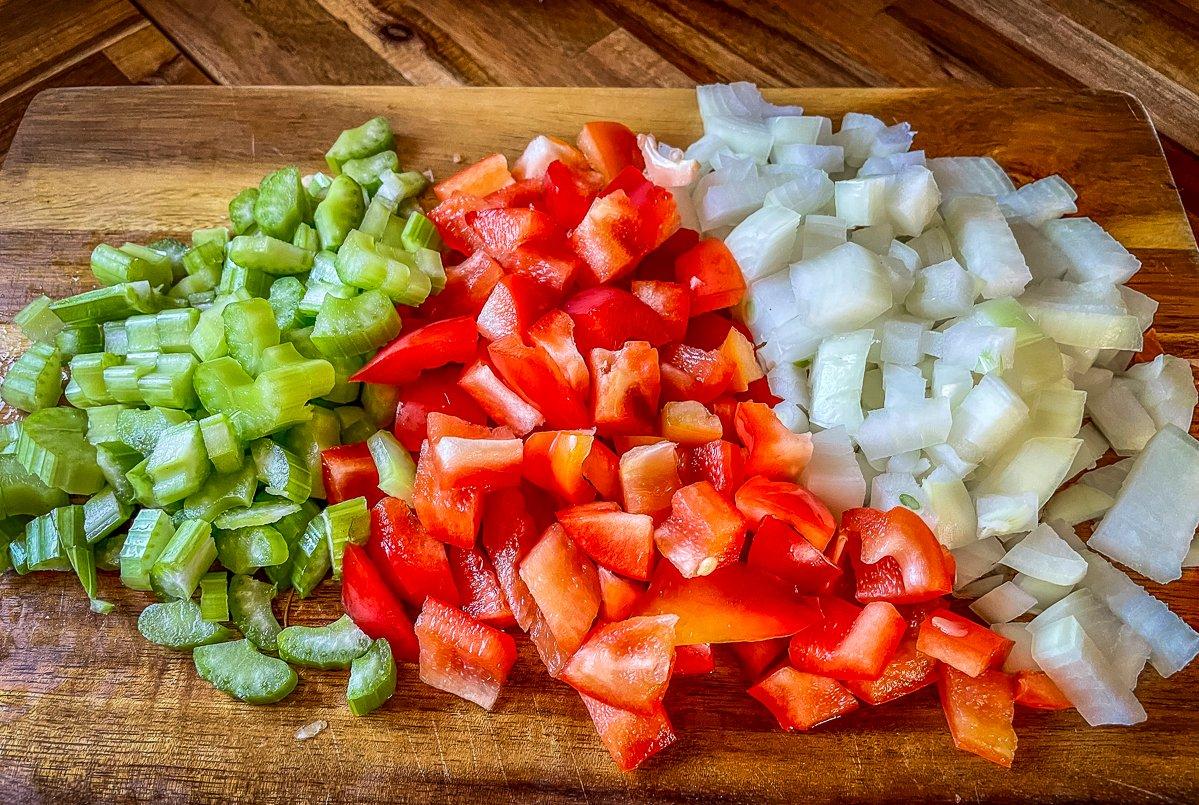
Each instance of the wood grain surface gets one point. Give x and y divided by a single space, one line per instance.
89 710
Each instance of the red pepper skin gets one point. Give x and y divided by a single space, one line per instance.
349 472
412 563
711 273
372 606
436 344
606 318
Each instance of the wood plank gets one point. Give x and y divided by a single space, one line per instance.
148 57
91 711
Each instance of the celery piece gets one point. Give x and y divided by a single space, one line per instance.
281 471
221 383
171 384
80 554
213 234
112 266
356 424
249 329
52 447
224 449
187 557
180 625
345 390
121 381
220 493
355 326
363 263
208 339
108 551
88 372
241 210
420 283
141 333
163 265
282 354
205 257
239 279
292 527
401 187
310 558
214 596
419 233
262 252
282 204
103 514
173 250
311 439
78 338
150 533
339 213
116 337
142 485
244 550
372 679
257 514
295 382
178 465
363 141
237 668
38 322
23 493
18 556
76 397
378 219
332 646
107 304
348 521
250 607
141 428
9 433
397 470
380 403
175 328
45 546
315 295
195 287
34 380
305 238
367 171
115 461
316 185
284 299
429 263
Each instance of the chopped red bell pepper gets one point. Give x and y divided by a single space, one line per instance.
620 541
774 451
555 461
703 532
467 286
462 656
504 230
694 660
532 373
522 193
791 503
436 344
618 596
630 738
658 265
349 472
514 304
626 664
608 317
555 333
552 265
718 462
801 701
961 643
486 464
563 582
626 386
690 373
851 642
710 272
623 444
569 192
779 550
483 177
609 238
451 514
510 530
759 656
736 604
500 402
649 477
1035 689
609 147
980 712
670 301
413 563
482 597
542 151
738 352
907 672
373 607
450 219
689 424
438 425
435 391
601 468
896 557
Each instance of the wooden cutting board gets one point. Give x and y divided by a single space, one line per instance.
89 710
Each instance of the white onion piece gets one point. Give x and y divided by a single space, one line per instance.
804 193
895 139
769 304
1034 366
933 246
1081 671
747 137
841 289
977 347
1091 253
941 291
1045 260
822 233
1038 466
791 341
876 237
857 136
836 380
762 243
803 129
904 385
792 417
704 149
1057 411
789 380
1005 514
979 587
664 166
861 202
1076 504
828 158
737 99
987 247
989 415
952 508
912 462
942 455
1166 389
1150 526
1046 556
913 426
730 202
1128 655
1020 657
1046 593
906 255
891 163
981 176
1143 307
833 473
951 382
1093 447
975 560
1089 315
1110 478
1040 201
1005 603
912 198
873 394
891 489
1119 415
900 341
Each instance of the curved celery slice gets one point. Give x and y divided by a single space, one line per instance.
354 326
397 470
244 550
115 461
356 425
87 371
240 670
180 625
112 266
292 527
265 253
178 465
241 210
225 450
368 171
348 521
46 539
311 439
22 492
107 304
34 381
372 679
141 429
250 607
171 383
310 558
220 493
214 596
282 203
363 141
249 329
103 514
264 513
38 322
334 645
79 338
284 299
339 213
282 472
52 447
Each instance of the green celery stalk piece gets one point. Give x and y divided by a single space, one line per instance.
38 322
249 329
241 210
244 550
180 625
52 447
34 380
220 493
177 571
370 138
334 645
250 606
397 470
240 670
103 514
282 203
214 596
372 679
340 212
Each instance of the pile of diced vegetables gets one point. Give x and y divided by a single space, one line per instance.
637 414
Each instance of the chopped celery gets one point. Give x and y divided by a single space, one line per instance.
112 266
379 218
46 538
292 527
250 607
18 556
397 470
259 513
107 304
345 390
339 213
142 485
72 532
115 461
403 186
237 279
419 233
121 381
334 645
213 234
310 557
244 550
356 425
356 325
364 263
116 337
368 171
141 428
240 670
224 449
208 339
249 329
284 299
317 187
363 141
214 596
88 372
348 521
34 380
220 384
205 257
372 679
220 493
311 439
429 263
282 354
241 210
379 402
38 322
23 493
175 328
171 383
262 252
306 238
178 465
103 513
180 625
282 204
108 551
52 447
187 557
78 338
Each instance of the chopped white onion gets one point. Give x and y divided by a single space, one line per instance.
1114 409
1047 593
821 233
1166 389
1006 514
1020 657
941 291
836 380
828 158
989 415
841 289
762 243
1076 504
1005 603
1081 671
975 560
909 426
1046 556
805 193
933 246
861 202
985 242
912 199
833 474
1037 467
891 489
1040 201
957 176
1091 253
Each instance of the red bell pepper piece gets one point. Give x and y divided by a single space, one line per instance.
609 147
801 701
791 503
500 402
502 231
630 738
451 514
758 657
552 264
514 304
439 425
718 462
1035 689
896 557
709 330
486 464
618 596
690 373
694 660
435 344
554 460
688 423
482 597
907 672
626 386
649 477
1151 347
522 193
710 272
703 532
349 472
467 286
563 582
435 391
450 219
670 301
623 444
736 604
542 151
608 240
413 563
569 192
483 177
774 451
658 215
626 664
555 333
658 265
372 606
851 642
462 656
601 468
532 373
980 712
510 530
608 317
777 549
620 541
961 643
738 352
